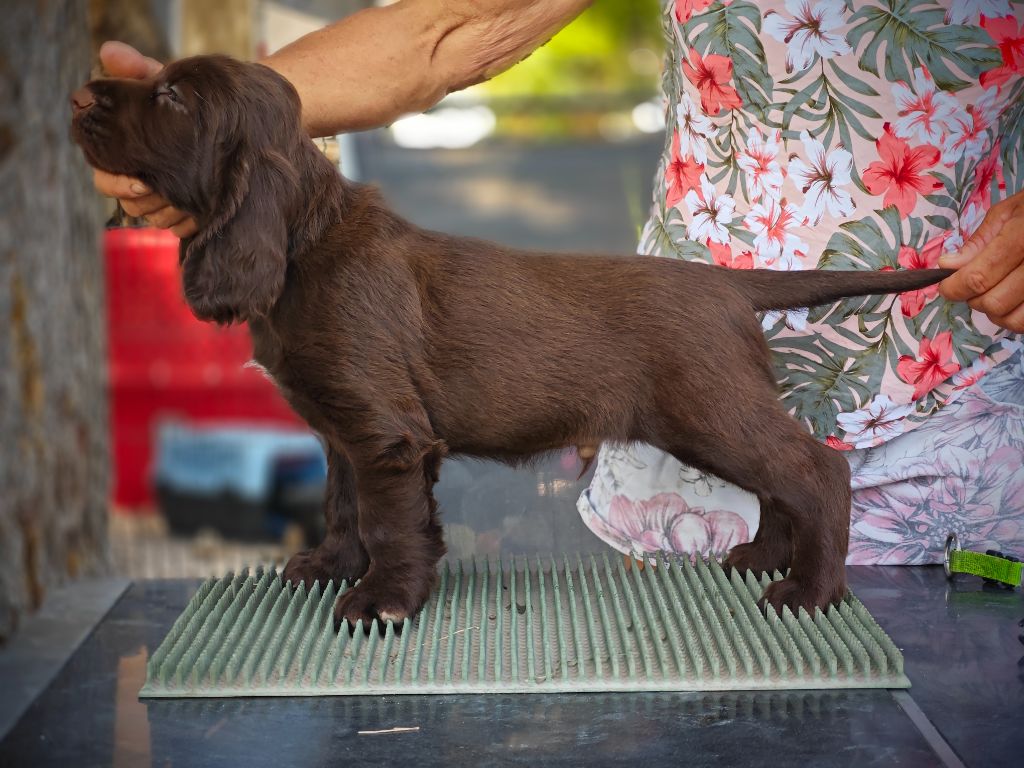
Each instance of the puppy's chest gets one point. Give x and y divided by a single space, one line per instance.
267 353
271 358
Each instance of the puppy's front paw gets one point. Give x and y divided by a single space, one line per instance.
379 597
323 564
797 594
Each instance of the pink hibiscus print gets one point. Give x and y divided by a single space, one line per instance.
686 8
989 169
759 163
667 523
878 421
912 302
727 530
968 377
899 174
932 366
721 254
925 110
681 175
772 222
1009 37
836 444
968 133
711 75
906 523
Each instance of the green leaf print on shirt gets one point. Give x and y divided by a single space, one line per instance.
667 237
827 109
862 245
915 34
821 378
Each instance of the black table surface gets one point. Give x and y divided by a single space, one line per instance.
960 644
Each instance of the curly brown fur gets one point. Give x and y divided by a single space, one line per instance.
401 345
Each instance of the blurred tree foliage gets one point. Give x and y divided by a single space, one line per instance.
613 47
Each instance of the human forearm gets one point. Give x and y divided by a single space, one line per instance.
381 63
371 68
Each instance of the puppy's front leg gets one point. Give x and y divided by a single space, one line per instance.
341 554
398 527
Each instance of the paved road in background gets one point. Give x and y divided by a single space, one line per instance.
564 196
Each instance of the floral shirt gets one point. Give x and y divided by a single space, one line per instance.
835 134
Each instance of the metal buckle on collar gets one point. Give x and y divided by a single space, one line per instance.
952 543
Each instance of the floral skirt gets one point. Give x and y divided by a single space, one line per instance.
961 471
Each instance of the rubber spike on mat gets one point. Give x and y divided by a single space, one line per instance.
595 641
681 628
563 660
671 637
481 669
466 640
620 621
557 624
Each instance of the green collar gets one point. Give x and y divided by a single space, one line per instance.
990 567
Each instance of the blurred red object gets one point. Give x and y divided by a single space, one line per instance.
166 364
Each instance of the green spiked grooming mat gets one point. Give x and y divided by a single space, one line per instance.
542 626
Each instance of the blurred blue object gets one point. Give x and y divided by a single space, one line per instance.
237 479
237 459
298 494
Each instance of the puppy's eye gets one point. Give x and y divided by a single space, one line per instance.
169 92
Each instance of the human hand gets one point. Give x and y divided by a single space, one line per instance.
990 266
136 198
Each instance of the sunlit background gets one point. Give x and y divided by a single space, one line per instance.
211 469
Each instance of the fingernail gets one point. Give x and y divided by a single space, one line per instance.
139 189
957 258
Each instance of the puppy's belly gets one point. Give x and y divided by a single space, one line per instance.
519 428
511 448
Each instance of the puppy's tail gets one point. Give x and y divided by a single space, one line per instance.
773 289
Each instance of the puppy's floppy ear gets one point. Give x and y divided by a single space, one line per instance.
234 268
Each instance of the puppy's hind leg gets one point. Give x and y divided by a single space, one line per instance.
341 554
772 547
804 486
819 502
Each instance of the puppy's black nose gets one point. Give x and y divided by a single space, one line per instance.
82 99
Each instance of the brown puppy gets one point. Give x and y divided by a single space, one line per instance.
400 345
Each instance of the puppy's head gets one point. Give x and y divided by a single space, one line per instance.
220 140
